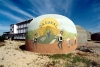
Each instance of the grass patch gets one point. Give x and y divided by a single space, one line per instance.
60 56
77 58
81 59
70 60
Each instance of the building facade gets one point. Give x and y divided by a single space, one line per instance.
13 29
18 31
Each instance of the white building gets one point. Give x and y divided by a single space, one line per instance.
13 29
18 31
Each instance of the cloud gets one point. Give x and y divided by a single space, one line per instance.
13 7
96 6
42 7
98 26
94 29
94 12
4 28
33 11
11 16
52 6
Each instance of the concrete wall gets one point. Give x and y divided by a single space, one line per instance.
82 35
88 35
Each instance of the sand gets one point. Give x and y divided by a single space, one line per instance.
12 56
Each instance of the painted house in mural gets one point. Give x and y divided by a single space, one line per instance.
51 33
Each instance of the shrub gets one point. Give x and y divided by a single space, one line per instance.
2 38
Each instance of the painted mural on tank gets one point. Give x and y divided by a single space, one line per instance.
51 33
51 30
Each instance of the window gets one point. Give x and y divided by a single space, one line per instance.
23 25
26 25
18 31
18 26
24 30
12 29
21 31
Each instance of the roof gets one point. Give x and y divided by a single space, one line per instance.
23 22
7 32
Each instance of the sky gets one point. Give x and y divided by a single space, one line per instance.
85 13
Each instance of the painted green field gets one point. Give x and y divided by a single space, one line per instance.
30 35
46 39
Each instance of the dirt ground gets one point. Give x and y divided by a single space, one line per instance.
12 56
95 46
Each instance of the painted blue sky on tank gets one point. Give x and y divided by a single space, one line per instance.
64 23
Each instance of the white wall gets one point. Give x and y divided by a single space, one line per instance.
15 29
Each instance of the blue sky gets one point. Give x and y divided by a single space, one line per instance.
85 13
